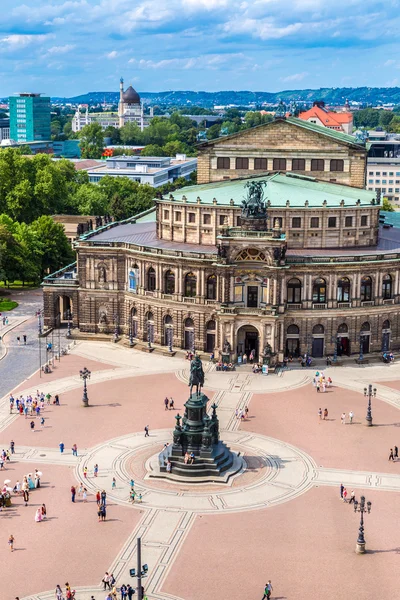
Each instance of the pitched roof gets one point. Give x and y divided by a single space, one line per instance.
280 189
329 118
338 136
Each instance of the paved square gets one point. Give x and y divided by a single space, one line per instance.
281 519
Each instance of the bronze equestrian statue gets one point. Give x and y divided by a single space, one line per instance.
196 375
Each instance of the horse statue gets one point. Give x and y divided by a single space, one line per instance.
196 375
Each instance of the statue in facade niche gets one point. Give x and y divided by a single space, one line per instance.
102 275
227 347
253 206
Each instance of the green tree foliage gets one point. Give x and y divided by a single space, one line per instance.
133 197
366 117
394 125
386 205
385 118
56 249
92 141
90 199
152 150
130 134
113 133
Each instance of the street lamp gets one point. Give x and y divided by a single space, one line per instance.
169 338
130 334
149 334
85 374
361 357
361 508
334 342
369 392
39 316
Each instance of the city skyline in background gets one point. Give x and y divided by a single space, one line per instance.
78 46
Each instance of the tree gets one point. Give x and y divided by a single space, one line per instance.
56 248
385 118
92 141
117 208
11 255
152 150
366 117
90 199
173 148
394 125
386 205
113 133
130 134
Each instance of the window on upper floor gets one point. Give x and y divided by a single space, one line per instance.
343 290
298 164
207 219
190 285
294 291
223 162
178 216
151 279
364 220
387 287
279 164
337 165
314 222
348 221
166 214
260 164
296 222
384 181
211 288
366 289
332 221
169 282
384 173
242 163
391 173
222 219
191 217
238 221
317 164
370 181
319 291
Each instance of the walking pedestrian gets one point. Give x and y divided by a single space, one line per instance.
96 470
344 495
44 511
246 411
61 446
113 483
351 416
84 495
12 447
73 493
42 421
341 490
146 431
391 457
320 413
26 497
325 414
269 589
11 541
98 497
74 450
106 581
130 591
24 336
171 404
59 593
103 498
396 452
166 402
18 339
318 386
343 418
352 496
32 424
85 470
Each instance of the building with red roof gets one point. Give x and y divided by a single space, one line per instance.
320 115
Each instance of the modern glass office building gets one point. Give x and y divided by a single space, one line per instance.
29 117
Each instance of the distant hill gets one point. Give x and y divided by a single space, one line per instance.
335 96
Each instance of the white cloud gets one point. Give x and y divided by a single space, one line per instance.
264 29
61 49
295 77
207 61
18 41
389 62
111 55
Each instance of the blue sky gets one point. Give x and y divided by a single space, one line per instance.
68 47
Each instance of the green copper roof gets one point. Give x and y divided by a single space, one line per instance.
280 189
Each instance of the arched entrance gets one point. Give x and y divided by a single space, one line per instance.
318 339
248 340
385 336
168 331
63 310
134 322
210 336
365 335
343 341
293 341
189 341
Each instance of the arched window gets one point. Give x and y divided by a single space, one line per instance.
168 320
134 322
169 282
189 323
190 285
365 327
366 289
319 291
251 254
151 279
212 287
343 290
293 330
210 326
343 328
132 280
189 334
386 324
318 329
294 291
150 317
387 287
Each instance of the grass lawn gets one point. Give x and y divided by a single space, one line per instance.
7 305
17 285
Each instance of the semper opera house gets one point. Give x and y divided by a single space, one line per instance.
279 246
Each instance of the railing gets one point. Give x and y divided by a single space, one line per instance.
368 303
237 233
148 293
344 304
167 296
189 300
319 306
58 279
292 306
250 311
211 302
388 301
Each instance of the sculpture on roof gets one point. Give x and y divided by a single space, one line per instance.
253 205
280 112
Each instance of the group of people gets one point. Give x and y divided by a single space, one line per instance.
388 357
344 495
394 454
69 593
32 405
222 366
320 382
169 404
109 583
242 414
